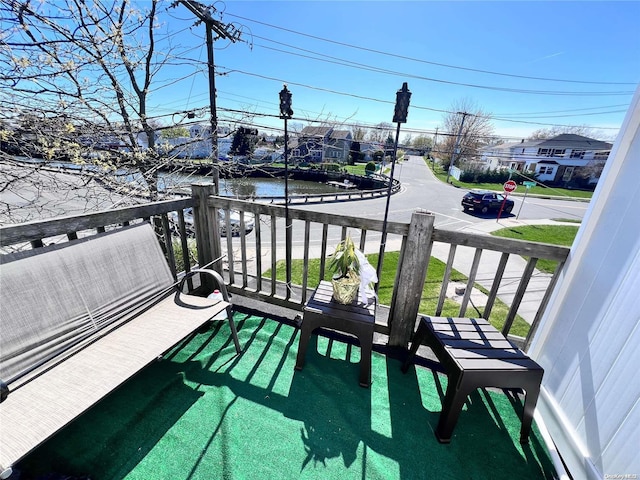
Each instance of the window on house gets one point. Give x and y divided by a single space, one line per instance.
577 153
601 155
545 170
551 152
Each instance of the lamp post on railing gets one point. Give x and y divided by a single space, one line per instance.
403 96
286 113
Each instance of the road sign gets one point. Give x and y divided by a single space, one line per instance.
509 186
529 184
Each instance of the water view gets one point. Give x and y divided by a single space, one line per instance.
247 187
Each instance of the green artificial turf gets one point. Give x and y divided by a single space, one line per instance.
204 413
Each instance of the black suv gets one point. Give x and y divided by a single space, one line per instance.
482 201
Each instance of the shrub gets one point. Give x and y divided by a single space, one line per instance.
370 167
177 250
476 175
332 167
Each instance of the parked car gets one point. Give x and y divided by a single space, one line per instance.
234 220
484 201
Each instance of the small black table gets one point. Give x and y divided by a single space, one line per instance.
356 318
475 355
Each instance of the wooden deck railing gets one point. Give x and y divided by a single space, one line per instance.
250 260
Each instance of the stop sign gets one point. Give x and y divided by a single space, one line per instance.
509 186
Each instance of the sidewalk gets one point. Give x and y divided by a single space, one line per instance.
513 272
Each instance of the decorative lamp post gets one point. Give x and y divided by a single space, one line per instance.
403 96
286 113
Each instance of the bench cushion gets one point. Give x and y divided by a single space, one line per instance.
103 308
53 296
40 408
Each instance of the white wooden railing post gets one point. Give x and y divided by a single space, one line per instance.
410 280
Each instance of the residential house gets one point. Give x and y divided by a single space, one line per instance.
562 160
321 144
368 149
198 143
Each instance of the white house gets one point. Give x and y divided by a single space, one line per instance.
198 143
556 161
588 341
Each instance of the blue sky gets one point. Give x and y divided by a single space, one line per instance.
404 41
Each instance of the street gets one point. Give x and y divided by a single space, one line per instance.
420 189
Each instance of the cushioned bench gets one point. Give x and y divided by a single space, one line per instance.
474 355
80 318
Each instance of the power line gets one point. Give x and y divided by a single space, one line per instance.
372 99
361 66
562 111
395 55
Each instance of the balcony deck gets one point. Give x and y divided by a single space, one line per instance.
203 412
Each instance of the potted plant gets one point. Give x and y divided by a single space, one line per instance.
345 266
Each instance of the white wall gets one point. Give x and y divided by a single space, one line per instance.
589 338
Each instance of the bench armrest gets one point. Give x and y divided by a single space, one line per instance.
216 276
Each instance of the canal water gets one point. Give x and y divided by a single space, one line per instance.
246 187
235 187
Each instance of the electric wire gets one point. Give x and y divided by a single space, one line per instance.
389 102
396 55
361 66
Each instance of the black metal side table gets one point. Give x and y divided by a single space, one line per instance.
356 318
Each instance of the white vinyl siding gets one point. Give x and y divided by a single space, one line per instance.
589 337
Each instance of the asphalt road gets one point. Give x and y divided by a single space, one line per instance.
421 190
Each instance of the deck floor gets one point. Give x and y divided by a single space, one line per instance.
205 413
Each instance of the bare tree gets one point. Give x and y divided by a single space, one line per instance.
554 131
381 132
359 133
477 130
80 75
422 143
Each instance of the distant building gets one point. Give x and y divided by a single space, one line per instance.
555 161
322 144
198 143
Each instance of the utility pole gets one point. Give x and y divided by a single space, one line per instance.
455 148
433 149
227 32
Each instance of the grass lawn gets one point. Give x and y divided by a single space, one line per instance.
553 234
430 292
357 169
537 190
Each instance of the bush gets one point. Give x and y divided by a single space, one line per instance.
332 167
177 250
370 167
484 176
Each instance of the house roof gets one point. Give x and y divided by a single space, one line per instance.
340 134
501 146
569 140
315 131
